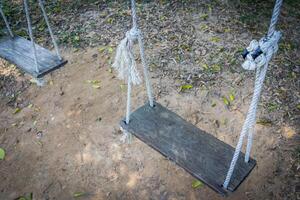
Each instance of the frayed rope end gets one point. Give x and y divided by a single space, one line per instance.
124 61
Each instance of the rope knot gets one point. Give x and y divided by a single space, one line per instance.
260 52
133 34
124 60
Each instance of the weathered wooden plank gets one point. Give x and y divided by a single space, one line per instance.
18 51
202 155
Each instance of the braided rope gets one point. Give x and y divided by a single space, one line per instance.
269 46
125 65
31 35
50 29
5 20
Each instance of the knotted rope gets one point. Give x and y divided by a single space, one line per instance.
126 66
257 52
257 57
124 60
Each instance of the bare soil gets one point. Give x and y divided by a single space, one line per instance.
64 138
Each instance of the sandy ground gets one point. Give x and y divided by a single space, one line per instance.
68 140
64 138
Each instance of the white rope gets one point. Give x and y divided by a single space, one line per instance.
126 66
49 28
267 47
142 53
145 70
31 35
124 60
5 20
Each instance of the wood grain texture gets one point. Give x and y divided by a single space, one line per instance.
18 51
202 155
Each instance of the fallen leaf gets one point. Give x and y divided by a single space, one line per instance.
231 97
110 49
215 39
96 86
95 83
25 197
227 30
264 122
101 49
272 106
123 87
186 87
203 27
226 102
17 110
197 184
78 194
204 16
2 154
288 132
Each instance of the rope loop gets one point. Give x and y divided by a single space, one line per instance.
260 52
133 34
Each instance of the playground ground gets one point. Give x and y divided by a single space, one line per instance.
62 140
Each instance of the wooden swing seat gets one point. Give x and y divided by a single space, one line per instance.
18 51
199 153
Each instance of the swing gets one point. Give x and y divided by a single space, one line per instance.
28 56
208 159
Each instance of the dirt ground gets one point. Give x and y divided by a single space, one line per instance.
63 139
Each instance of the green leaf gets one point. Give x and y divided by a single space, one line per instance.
231 97
96 86
110 49
203 27
215 68
272 107
298 106
226 102
78 194
227 30
213 105
2 154
123 87
25 197
197 184
76 38
186 87
95 83
264 122
17 110
215 39
204 16
101 49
